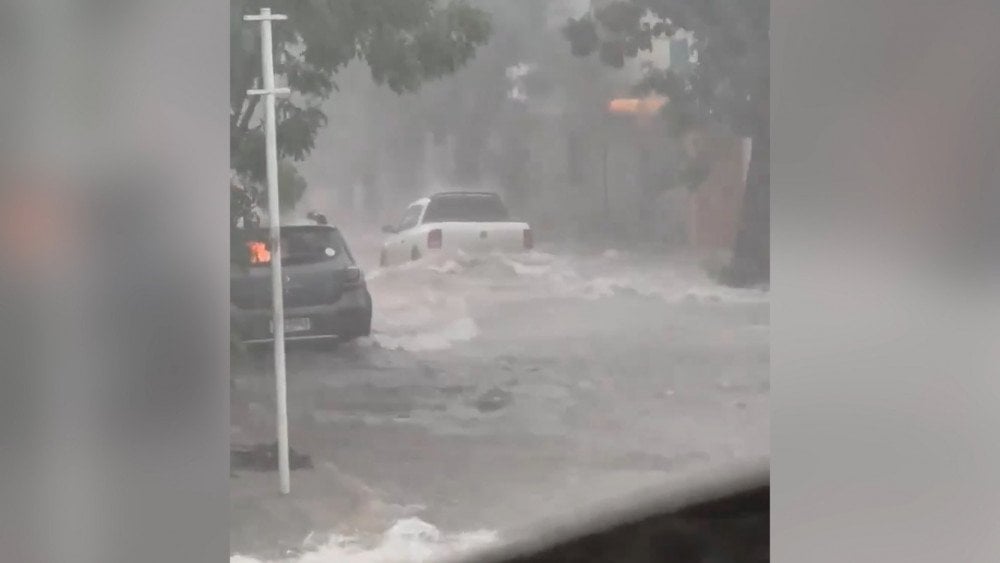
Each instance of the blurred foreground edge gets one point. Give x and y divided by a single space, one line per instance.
716 516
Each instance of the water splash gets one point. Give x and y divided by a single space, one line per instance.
424 306
410 540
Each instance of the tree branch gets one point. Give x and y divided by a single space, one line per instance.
243 124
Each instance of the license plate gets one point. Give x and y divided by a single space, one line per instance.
293 325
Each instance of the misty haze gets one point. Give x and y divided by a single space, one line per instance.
585 318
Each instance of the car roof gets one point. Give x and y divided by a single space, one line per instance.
295 222
306 223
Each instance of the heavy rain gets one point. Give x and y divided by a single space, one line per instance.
603 328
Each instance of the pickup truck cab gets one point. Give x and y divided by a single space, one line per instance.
452 222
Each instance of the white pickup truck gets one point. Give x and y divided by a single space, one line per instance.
449 222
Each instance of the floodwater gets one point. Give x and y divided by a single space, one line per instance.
498 392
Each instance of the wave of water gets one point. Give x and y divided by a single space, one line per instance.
541 275
430 340
424 306
410 540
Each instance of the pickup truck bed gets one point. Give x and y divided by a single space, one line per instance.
468 223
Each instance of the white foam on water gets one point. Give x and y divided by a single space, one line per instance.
423 306
522 268
418 315
672 286
409 540
443 338
449 267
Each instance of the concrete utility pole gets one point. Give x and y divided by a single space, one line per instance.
278 318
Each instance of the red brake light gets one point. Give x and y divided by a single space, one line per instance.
435 238
529 239
259 254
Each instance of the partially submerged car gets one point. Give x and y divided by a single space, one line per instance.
325 293
452 222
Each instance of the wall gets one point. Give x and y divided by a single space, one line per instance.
717 202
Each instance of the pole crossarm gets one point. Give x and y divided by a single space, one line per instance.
264 92
264 16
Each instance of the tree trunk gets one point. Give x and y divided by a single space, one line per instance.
751 261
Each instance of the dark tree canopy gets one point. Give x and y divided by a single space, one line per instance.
404 42
729 85
730 82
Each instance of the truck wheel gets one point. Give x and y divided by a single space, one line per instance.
414 254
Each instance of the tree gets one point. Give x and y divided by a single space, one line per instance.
729 85
404 42
493 131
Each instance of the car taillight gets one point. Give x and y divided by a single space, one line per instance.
353 277
529 239
435 238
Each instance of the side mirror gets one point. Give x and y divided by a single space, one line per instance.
389 229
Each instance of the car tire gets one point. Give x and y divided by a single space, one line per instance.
414 254
364 327
361 331
365 330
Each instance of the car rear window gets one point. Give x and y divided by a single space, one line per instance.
466 207
299 245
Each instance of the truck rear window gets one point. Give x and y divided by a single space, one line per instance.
466 207
299 245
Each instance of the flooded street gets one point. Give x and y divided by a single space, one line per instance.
495 393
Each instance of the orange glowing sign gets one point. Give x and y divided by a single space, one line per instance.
636 106
259 254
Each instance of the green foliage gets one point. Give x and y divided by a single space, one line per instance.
621 17
242 213
730 83
291 186
582 36
489 130
404 42
241 205
729 86
244 204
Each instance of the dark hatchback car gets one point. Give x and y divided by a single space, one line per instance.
325 294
